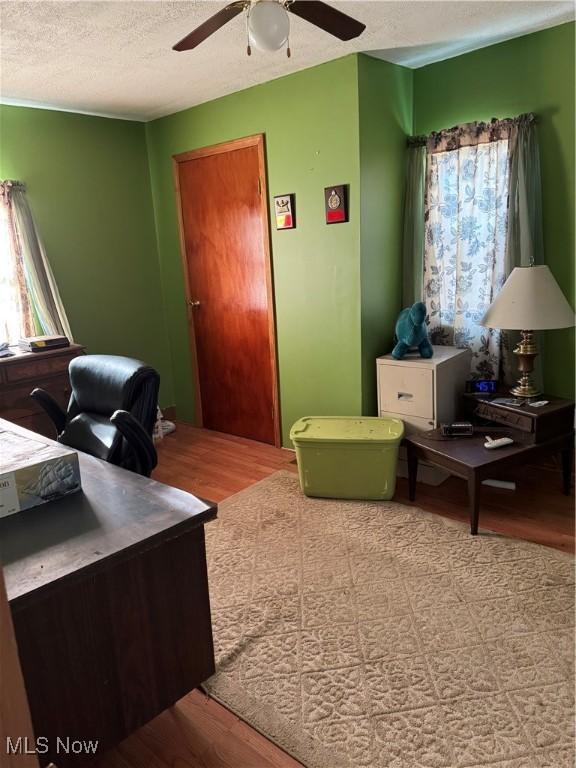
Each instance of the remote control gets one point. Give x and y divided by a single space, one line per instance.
498 443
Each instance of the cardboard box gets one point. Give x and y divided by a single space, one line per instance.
34 471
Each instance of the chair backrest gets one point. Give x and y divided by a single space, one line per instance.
101 385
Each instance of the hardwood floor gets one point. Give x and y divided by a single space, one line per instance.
536 511
214 465
197 733
200 733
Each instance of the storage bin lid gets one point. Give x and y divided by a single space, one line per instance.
347 429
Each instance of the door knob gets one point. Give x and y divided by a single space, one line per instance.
192 303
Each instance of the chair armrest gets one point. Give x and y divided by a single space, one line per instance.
138 439
51 407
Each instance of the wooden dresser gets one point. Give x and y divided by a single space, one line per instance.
22 372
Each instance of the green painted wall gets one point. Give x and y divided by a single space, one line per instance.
534 73
310 120
89 188
385 120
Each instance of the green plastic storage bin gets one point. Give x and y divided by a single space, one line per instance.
346 457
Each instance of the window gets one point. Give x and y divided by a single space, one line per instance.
14 309
29 300
472 213
465 247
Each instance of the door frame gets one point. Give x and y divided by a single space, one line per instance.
257 140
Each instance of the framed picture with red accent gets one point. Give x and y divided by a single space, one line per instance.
284 211
336 203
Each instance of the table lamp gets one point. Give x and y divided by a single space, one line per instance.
530 299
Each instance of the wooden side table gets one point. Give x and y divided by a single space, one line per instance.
467 458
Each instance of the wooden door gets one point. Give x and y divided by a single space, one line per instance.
225 246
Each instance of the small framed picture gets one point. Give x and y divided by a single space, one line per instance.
284 211
336 204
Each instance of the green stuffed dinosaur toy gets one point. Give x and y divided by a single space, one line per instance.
411 331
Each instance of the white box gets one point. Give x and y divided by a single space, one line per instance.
34 471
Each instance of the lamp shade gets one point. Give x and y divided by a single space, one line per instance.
530 299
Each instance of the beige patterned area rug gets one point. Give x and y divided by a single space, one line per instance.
359 634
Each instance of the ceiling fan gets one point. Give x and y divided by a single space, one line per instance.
269 24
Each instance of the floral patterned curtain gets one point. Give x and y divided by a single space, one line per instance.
466 214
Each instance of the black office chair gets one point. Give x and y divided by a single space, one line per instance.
111 412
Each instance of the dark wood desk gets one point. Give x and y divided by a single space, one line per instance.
109 595
466 457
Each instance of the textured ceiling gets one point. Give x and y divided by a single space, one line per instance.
115 58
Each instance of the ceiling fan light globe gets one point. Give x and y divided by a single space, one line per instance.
268 25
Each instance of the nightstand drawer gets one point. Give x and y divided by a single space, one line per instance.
407 391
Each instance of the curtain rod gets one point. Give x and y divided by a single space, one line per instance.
9 183
422 140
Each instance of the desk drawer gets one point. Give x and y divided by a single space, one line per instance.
16 403
407 391
37 369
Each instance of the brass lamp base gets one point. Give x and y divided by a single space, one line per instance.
527 351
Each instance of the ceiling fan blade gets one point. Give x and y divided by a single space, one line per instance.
335 22
210 26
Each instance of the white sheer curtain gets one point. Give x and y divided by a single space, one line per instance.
15 315
465 243
30 303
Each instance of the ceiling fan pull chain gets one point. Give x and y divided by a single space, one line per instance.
248 47
287 4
